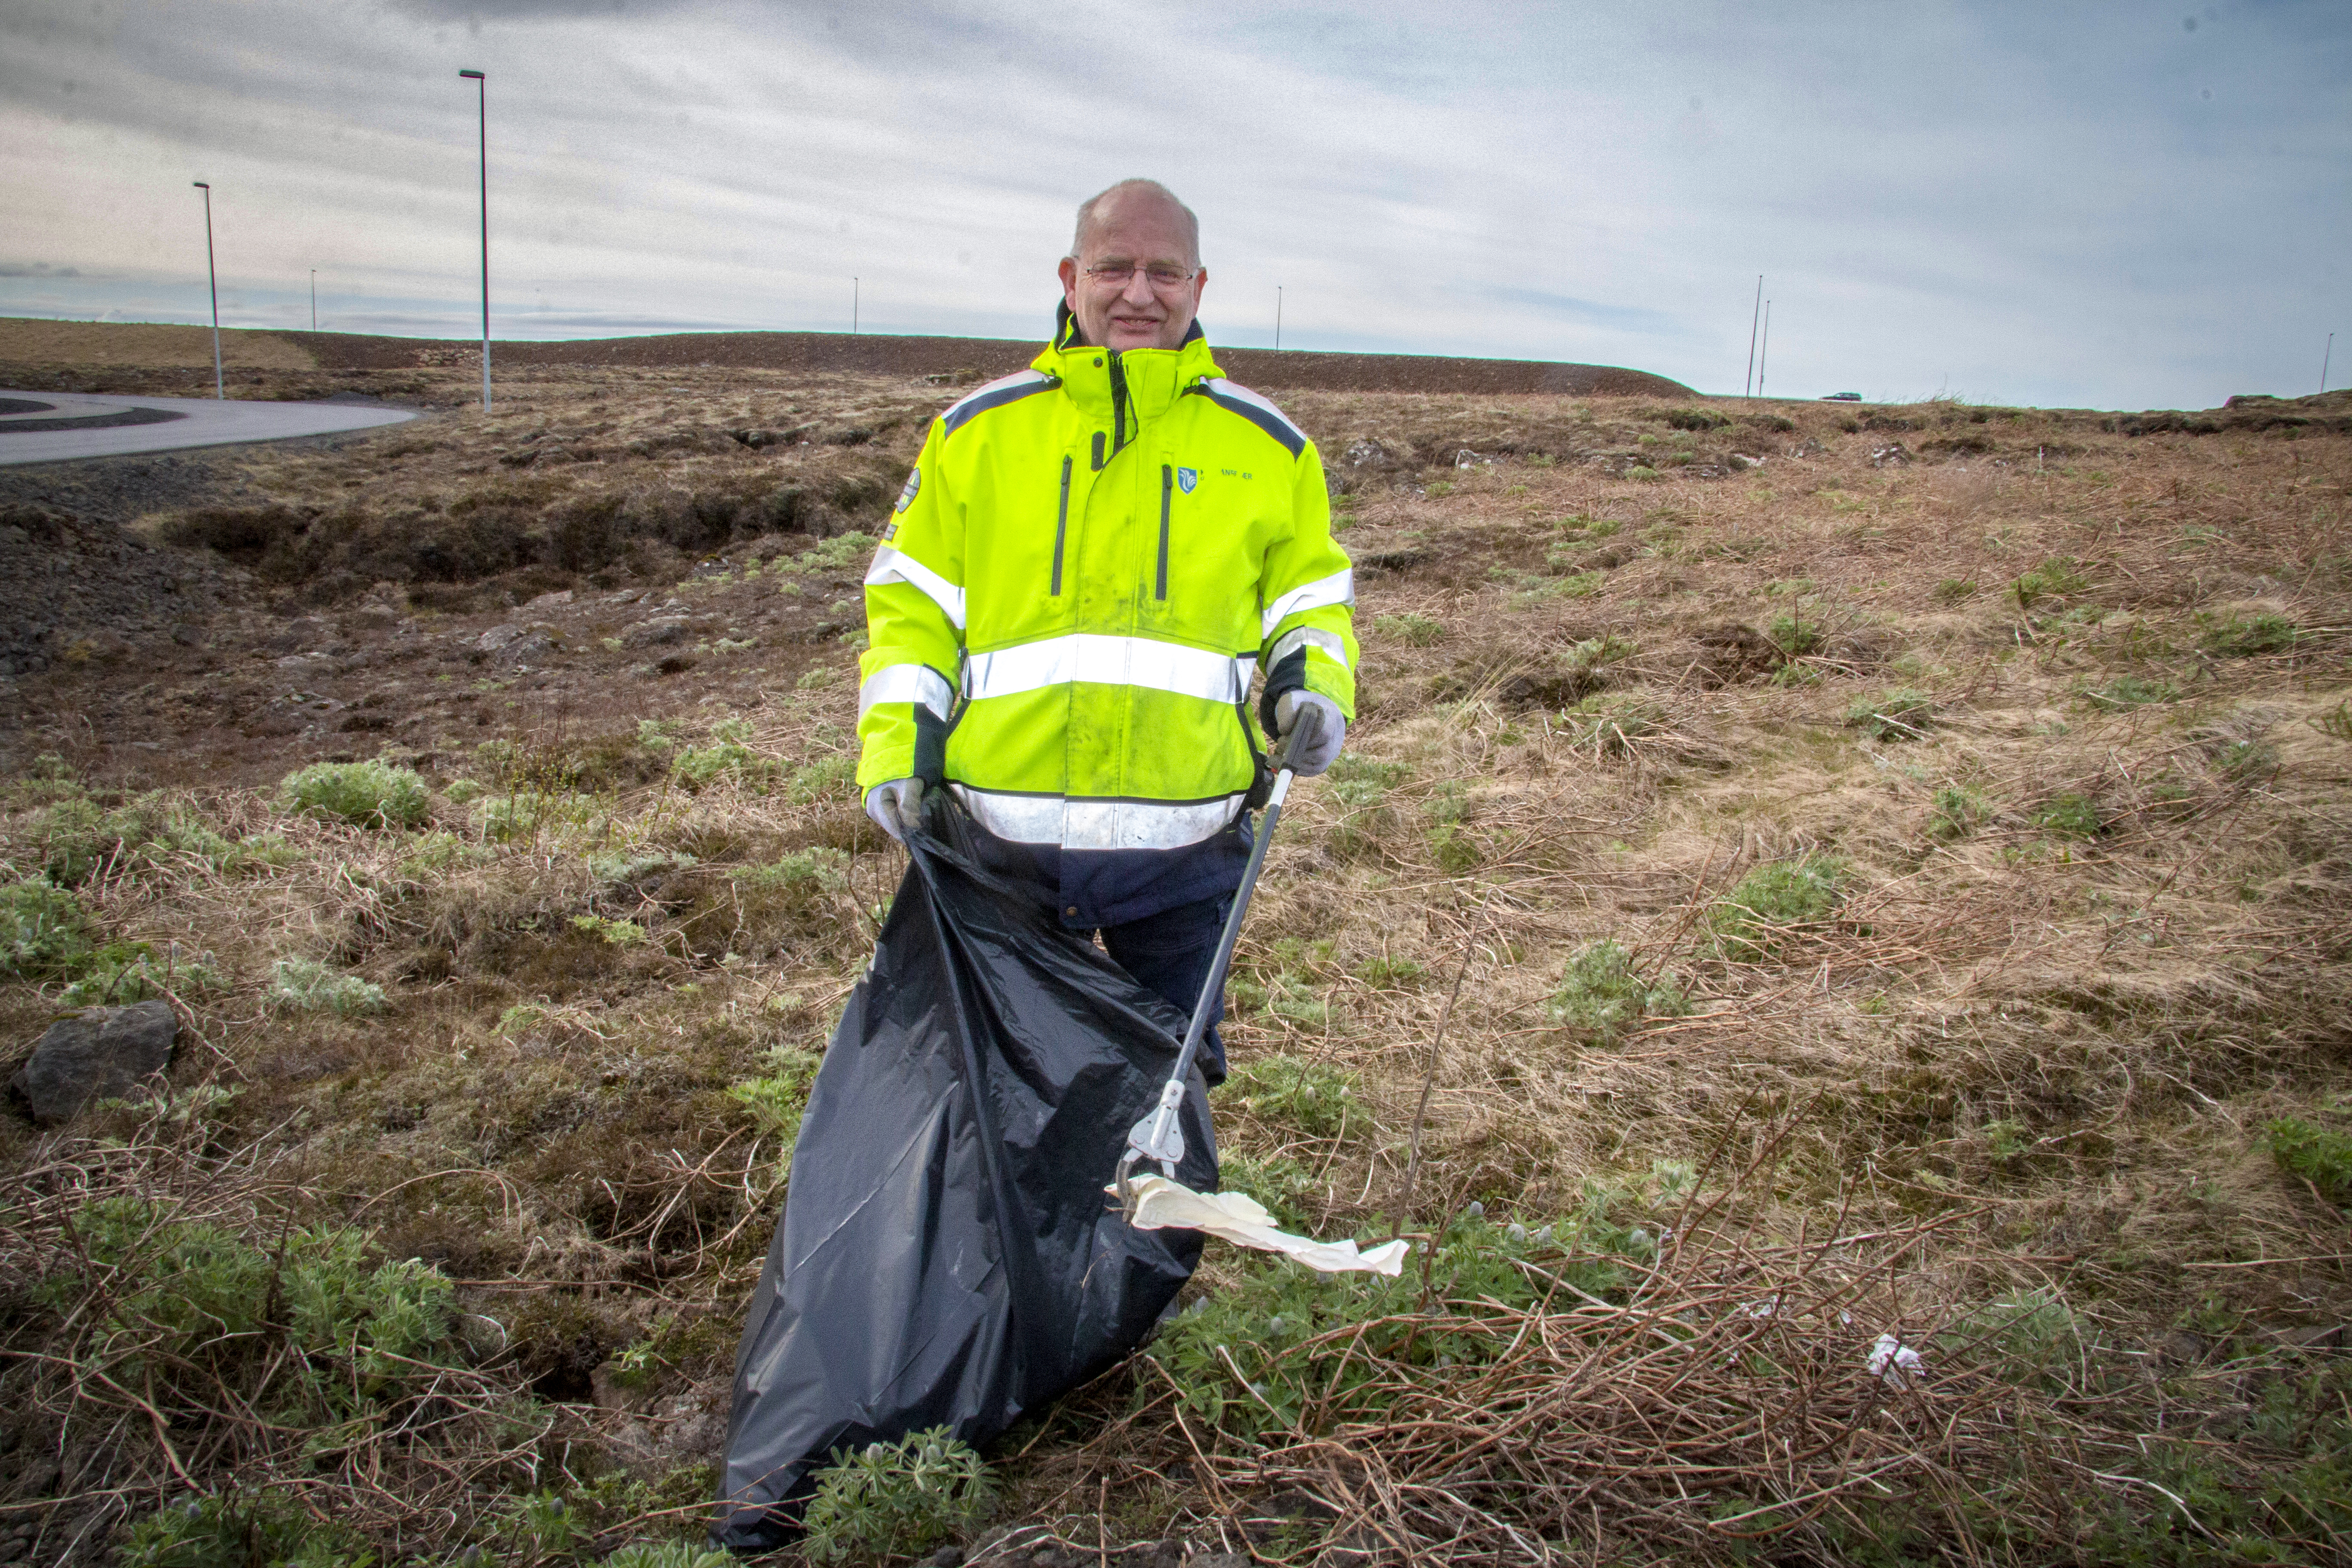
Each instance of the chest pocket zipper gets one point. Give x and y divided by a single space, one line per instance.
1166 499
1061 526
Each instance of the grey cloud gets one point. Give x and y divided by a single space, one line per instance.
36 269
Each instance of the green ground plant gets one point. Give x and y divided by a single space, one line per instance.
366 795
777 1098
2308 1152
305 1327
1956 812
306 985
2245 637
2073 813
898 1499
1412 628
43 932
1902 714
1283 1187
1290 1350
728 755
126 972
267 1528
1752 923
76 837
1602 998
2057 577
2129 691
1316 1098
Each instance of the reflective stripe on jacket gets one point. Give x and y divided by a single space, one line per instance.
1094 556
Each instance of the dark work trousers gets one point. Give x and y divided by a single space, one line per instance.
1170 953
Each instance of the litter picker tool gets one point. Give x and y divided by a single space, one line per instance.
1157 1136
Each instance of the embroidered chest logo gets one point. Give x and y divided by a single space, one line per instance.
1186 479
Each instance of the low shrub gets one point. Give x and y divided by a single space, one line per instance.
1391 974
75 837
777 1099
729 754
301 1326
1750 923
1793 636
367 794
1902 714
1419 630
828 778
2074 814
2056 578
1315 1098
1614 726
1313 1351
126 972
1956 812
1281 1185
1602 998
268 1528
307 985
43 932
2320 1155
2128 692
2244 637
898 1499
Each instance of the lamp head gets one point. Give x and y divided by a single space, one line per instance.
204 184
472 76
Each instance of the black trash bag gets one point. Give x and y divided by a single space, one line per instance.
948 1256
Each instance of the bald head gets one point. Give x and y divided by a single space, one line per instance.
1140 199
1128 232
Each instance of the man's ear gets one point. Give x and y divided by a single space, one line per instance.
1069 272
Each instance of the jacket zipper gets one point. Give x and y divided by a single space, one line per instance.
1118 404
1167 498
1061 524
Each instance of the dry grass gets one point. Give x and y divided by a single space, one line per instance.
2088 938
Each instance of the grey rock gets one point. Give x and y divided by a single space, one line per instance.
99 1053
546 602
661 632
949 1556
498 638
1217 1560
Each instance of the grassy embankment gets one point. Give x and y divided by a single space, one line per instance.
1866 894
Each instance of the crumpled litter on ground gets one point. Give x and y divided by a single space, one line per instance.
1163 1204
1896 1362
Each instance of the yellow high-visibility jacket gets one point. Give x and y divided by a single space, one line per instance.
1088 562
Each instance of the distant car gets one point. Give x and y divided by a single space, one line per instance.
1843 398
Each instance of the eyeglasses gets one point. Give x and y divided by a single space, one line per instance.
1115 274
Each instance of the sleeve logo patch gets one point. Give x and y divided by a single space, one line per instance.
1186 479
907 495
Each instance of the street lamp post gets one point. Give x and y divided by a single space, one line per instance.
1766 353
220 388
482 84
1278 318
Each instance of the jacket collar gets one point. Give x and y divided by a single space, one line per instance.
1143 383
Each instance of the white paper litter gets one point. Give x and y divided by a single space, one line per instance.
1163 1204
1896 1362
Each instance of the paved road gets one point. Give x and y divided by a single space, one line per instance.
55 426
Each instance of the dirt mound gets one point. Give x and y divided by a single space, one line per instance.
982 359
149 345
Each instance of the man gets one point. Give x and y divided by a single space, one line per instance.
1087 564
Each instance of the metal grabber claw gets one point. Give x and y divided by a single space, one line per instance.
1158 1136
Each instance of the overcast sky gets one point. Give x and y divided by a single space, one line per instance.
2113 206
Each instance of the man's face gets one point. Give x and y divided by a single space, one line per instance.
1143 231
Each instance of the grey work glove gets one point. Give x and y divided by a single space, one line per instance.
1324 731
896 806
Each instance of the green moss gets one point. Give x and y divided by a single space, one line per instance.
2320 1155
307 985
